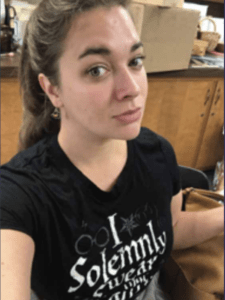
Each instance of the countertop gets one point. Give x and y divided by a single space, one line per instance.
10 63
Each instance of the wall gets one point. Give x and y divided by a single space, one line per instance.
215 9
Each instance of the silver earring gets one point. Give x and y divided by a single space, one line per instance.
56 114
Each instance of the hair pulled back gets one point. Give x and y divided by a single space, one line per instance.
42 48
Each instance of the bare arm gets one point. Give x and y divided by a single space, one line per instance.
17 252
192 228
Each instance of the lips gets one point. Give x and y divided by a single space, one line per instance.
129 112
129 116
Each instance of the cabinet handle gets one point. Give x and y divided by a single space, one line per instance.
207 97
218 97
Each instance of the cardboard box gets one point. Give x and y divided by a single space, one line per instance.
167 34
168 3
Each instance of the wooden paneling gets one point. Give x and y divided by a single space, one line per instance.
211 149
208 1
178 109
11 117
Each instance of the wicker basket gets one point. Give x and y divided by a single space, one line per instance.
211 37
199 47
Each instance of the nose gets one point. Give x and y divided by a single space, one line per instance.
126 85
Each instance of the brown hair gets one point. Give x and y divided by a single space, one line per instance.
42 48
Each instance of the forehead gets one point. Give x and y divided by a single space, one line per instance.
109 27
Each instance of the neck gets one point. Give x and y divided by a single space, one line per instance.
89 149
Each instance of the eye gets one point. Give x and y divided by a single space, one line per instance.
97 71
137 62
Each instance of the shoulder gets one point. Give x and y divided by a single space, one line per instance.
27 165
147 138
25 168
29 158
154 147
22 189
152 140
158 155
21 185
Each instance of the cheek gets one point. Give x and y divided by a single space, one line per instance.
88 101
97 96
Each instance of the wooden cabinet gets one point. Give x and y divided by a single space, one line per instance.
11 117
211 149
189 113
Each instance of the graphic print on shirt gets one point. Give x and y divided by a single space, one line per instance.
128 250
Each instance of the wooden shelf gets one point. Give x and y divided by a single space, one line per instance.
215 1
199 1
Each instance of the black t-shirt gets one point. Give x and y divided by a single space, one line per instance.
92 244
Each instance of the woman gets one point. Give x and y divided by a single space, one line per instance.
91 206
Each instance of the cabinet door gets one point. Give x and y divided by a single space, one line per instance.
11 117
212 145
178 110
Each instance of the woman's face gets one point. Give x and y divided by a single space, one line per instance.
102 76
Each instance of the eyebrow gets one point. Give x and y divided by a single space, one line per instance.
105 51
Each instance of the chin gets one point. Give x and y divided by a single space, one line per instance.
130 132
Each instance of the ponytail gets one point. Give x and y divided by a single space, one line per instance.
37 108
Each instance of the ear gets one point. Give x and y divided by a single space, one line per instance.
51 91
